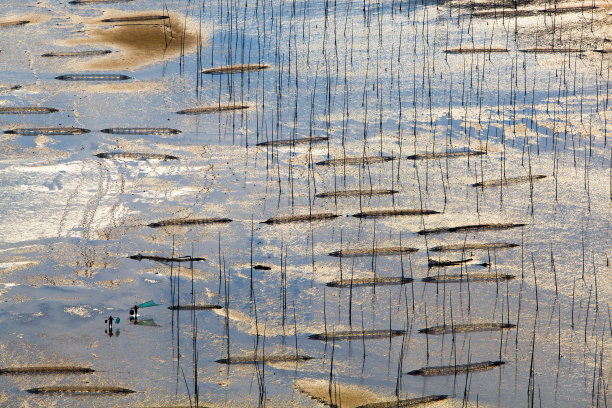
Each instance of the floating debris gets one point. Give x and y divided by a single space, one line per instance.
195 307
472 277
135 19
373 251
185 221
472 227
291 142
392 212
300 218
93 77
552 49
50 131
141 131
262 267
509 180
411 402
13 23
135 156
264 359
355 193
80 389
25 109
461 247
456 369
369 282
211 109
356 334
466 328
444 155
233 69
46 370
90 53
355 161
165 259
473 50
432 263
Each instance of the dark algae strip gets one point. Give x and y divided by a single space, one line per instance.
186 221
141 131
473 246
14 23
355 161
211 109
80 390
393 212
300 218
456 369
473 227
466 328
91 53
195 307
233 69
369 282
373 251
50 131
264 359
134 19
411 402
444 155
355 193
26 109
46 370
433 263
356 334
509 180
93 77
135 156
140 257
291 142
472 277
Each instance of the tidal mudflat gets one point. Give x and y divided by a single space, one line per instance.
239 204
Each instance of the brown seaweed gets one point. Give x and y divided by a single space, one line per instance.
13 23
97 1
135 156
411 402
80 389
135 19
355 161
90 53
262 267
211 109
444 155
300 218
195 307
234 69
8 88
473 50
93 77
355 193
373 251
25 109
456 369
472 277
466 328
356 334
473 246
185 221
291 142
505 13
263 359
46 370
542 50
141 131
369 282
472 227
393 212
508 180
432 263
568 9
49 131
165 259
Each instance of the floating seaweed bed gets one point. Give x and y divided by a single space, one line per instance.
50 131
568 9
93 77
195 307
355 193
135 156
373 251
91 53
472 277
509 180
456 369
484 245
444 155
165 259
399 280
432 263
13 23
26 109
300 218
291 142
141 131
46 370
552 49
473 50
411 402
466 328
211 109
262 267
473 227
233 69
392 212
135 19
185 221
356 334
355 161
80 389
264 359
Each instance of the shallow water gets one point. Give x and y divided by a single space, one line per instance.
374 78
